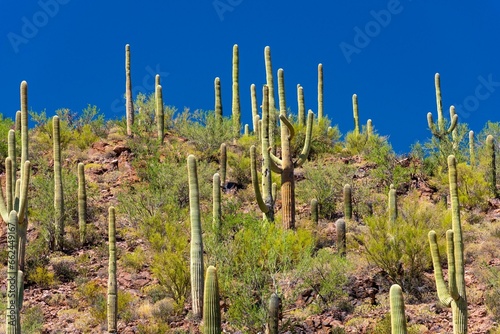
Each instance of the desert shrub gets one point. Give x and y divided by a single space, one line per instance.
94 296
402 249
41 277
384 326
64 268
32 320
134 260
325 273
239 168
323 140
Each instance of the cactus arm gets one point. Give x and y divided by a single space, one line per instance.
432 125
3 208
307 142
301 114
216 207
9 185
255 113
272 103
24 192
291 130
274 162
398 318
392 205
453 125
255 181
236 93
442 290
452 278
355 113
82 203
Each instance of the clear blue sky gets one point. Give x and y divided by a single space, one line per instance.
72 54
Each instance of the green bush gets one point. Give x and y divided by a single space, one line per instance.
42 277
32 320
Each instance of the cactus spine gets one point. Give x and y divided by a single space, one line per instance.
398 318
454 295
272 102
58 186
392 205
492 168
301 113
320 92
266 200
160 116
314 211
223 165
217 208
472 151
112 304
440 132
218 101
340 226
274 314
287 165
196 266
347 202
236 94
211 304
129 104
82 203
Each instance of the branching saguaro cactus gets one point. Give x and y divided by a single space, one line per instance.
196 266
439 131
392 206
347 191
272 102
211 303
58 186
454 294
129 104
236 93
398 317
492 167
160 115
112 305
287 164
274 314
218 101
266 199
82 203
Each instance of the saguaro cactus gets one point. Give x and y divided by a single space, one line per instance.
347 202
58 186
82 203
160 116
340 226
196 240
355 114
392 206
255 111
129 104
218 101
492 167
217 207
398 318
314 211
454 294
272 102
265 200
223 165
320 92
274 314
112 306
440 132
369 128
236 94
287 165
211 304
472 151
13 303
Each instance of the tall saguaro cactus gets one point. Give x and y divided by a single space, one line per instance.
160 115
454 294
355 114
301 112
211 304
265 200
398 318
217 207
272 102
392 206
320 92
58 186
196 265
440 132
492 167
274 314
129 104
13 303
255 111
218 101
347 192
112 305
287 164
340 226
236 93
82 203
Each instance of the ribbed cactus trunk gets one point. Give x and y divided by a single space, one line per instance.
223 165
340 227
355 114
217 207
25 170
369 128
347 192
398 317
440 132
392 206
112 306
454 294
129 104
196 266
472 150
236 94
492 167
320 92
58 186
314 211
12 309
160 116
272 103
301 111
82 204
211 303
218 102
274 314
255 110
